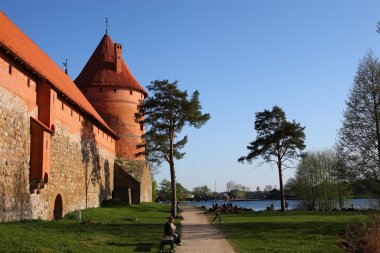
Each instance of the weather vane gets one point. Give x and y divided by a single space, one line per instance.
107 25
65 65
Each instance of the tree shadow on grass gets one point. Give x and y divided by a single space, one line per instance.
97 236
326 228
138 247
305 236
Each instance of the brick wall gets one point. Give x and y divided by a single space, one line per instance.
79 158
81 172
118 108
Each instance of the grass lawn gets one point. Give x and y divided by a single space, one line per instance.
292 231
106 229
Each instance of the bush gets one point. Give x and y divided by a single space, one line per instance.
364 236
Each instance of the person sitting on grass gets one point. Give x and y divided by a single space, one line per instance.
171 229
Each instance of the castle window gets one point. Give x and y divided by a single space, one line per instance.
141 126
46 178
10 69
62 106
114 90
79 117
71 112
131 92
28 82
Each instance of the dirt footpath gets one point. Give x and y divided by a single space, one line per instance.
199 236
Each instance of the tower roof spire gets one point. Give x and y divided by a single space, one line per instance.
106 67
107 25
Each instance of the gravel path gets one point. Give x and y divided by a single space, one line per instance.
199 236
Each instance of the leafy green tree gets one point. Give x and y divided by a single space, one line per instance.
359 136
278 141
165 113
165 190
202 192
319 181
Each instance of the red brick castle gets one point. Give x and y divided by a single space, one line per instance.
63 145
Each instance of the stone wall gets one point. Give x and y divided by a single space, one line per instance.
146 185
14 157
135 176
81 173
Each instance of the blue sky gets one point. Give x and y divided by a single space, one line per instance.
242 56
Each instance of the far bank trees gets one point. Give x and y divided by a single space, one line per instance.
235 190
320 181
165 191
278 141
202 192
164 114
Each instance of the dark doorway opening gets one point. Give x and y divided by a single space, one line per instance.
58 207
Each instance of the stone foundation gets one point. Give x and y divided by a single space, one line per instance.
81 173
133 182
14 158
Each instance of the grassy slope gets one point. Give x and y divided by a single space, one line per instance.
292 231
106 229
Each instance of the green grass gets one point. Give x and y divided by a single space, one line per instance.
292 231
106 229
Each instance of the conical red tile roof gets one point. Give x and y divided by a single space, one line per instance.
22 47
100 69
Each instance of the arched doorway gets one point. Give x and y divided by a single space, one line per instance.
58 207
46 178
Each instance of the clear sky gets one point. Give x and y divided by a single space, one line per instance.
242 56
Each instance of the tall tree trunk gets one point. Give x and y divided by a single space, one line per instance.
282 194
377 125
172 176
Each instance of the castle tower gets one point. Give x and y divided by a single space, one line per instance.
113 91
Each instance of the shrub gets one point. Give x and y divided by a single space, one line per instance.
364 236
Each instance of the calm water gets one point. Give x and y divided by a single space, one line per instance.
261 205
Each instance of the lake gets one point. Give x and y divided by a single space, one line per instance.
261 205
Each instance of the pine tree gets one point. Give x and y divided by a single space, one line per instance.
165 113
278 141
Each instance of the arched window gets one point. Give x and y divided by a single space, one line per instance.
58 208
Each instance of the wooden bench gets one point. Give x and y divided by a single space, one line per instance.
167 240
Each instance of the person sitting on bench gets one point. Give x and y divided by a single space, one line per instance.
170 229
